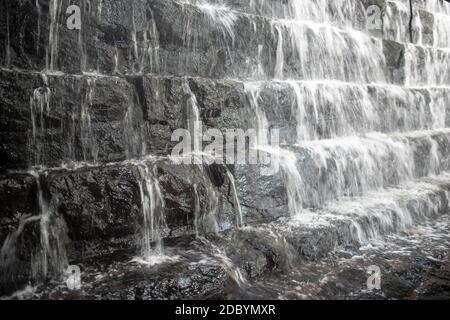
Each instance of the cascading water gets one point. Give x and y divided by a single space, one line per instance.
88 142
396 21
238 209
278 157
39 108
52 49
152 205
51 257
193 120
363 151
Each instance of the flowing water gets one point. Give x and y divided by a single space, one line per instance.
152 204
360 167
52 50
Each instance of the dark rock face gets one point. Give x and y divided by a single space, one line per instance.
62 119
18 195
54 120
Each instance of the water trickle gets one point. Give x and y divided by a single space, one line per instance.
8 43
221 16
196 209
52 49
437 6
210 220
51 257
325 52
145 50
39 11
99 9
253 91
81 44
116 60
275 156
417 29
88 141
237 204
152 204
39 109
193 120
440 32
287 161
426 66
396 21
279 64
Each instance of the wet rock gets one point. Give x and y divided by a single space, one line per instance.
395 60
56 119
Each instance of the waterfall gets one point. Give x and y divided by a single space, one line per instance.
81 44
426 66
437 6
417 29
237 204
8 44
51 256
39 10
287 162
52 50
145 51
88 141
396 21
349 119
196 209
278 157
193 121
347 55
440 32
152 204
279 65
222 17
210 220
39 109
207 220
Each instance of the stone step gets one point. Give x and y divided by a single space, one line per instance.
313 173
108 119
102 207
192 45
314 110
195 44
346 223
56 119
116 277
237 258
